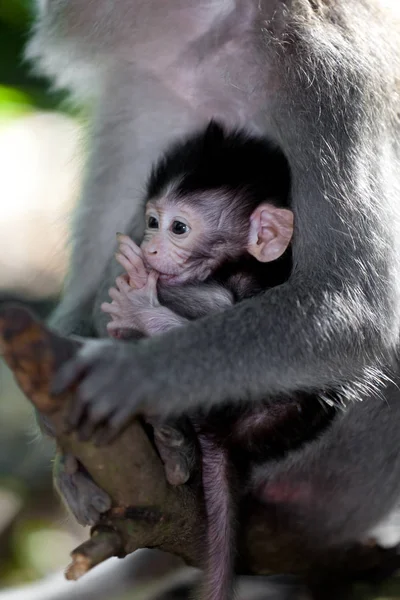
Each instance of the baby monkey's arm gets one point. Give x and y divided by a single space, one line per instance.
135 305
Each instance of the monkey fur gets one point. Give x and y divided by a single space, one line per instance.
227 177
320 79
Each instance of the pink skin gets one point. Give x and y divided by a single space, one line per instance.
168 252
271 230
130 256
165 255
162 255
135 304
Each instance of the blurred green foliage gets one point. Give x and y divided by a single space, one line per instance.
20 91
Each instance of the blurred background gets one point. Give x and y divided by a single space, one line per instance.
41 161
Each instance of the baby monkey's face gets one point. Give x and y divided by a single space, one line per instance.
173 239
187 242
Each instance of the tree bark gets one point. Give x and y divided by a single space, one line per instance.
147 512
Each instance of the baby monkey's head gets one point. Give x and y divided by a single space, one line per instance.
215 198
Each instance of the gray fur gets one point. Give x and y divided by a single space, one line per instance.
320 78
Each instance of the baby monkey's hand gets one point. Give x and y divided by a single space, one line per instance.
131 308
130 257
121 309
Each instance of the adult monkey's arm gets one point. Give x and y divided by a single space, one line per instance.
333 110
146 511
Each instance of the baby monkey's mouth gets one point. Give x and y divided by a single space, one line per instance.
163 276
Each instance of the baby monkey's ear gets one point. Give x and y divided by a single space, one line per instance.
271 230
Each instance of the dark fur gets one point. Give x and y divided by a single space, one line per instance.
214 159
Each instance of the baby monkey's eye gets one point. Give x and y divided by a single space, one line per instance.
152 223
179 228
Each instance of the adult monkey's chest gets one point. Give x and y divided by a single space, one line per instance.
215 57
226 71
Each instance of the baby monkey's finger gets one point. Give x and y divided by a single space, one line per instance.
137 274
110 308
135 259
133 253
153 278
126 263
151 285
114 294
125 239
122 284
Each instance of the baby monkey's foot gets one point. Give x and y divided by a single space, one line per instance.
80 493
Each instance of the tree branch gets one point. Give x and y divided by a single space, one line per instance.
147 512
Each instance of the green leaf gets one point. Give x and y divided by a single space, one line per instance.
13 102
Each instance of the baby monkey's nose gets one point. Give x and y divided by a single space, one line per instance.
150 249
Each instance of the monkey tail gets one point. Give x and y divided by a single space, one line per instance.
221 529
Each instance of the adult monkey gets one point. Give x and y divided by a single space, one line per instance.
316 76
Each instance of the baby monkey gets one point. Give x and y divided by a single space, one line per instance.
217 210
217 215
